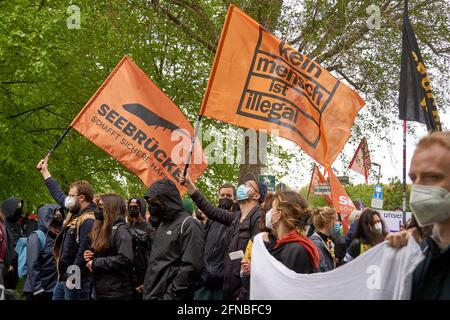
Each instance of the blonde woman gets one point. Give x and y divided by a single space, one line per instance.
324 220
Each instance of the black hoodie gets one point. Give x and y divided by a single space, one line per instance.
176 257
12 215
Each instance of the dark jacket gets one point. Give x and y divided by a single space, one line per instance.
112 268
238 236
327 262
142 249
74 238
176 256
294 256
431 278
13 229
41 264
214 254
349 235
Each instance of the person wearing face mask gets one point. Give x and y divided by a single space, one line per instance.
136 216
430 203
289 218
175 261
243 225
215 248
324 220
74 237
12 209
369 232
143 234
111 258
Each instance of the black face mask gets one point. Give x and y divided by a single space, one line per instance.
98 213
134 212
225 203
156 214
18 213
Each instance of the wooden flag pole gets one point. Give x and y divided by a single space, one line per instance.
191 150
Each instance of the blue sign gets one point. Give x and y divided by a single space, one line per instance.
378 192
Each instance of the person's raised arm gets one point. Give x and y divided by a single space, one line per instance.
212 212
53 187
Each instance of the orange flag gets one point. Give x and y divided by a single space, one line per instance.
361 160
131 119
260 82
341 201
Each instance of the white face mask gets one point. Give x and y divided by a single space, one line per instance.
378 227
69 203
429 204
269 219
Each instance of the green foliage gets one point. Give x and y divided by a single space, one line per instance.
392 195
48 72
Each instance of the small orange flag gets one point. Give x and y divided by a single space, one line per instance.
260 82
131 119
341 201
316 179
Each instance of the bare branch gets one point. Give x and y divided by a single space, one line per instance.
28 111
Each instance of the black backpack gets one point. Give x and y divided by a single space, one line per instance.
141 250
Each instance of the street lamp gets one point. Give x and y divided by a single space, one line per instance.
379 170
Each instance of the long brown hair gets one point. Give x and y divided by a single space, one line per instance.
113 207
364 229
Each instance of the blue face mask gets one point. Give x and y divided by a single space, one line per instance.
337 228
242 193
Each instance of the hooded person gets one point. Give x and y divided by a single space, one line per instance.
41 265
175 262
136 215
12 209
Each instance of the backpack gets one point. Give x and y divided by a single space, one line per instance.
141 251
21 249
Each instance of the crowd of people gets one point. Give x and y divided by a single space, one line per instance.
158 246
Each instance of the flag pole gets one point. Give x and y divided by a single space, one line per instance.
404 173
191 149
49 154
312 175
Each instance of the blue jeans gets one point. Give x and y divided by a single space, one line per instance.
61 292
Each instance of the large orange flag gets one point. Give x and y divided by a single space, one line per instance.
341 201
260 82
131 119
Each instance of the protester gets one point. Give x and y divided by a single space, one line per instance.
430 204
41 265
243 226
353 221
370 231
325 220
269 241
215 248
175 262
143 234
12 209
3 246
289 218
111 257
29 224
135 217
74 238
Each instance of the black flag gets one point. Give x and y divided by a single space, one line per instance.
416 102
